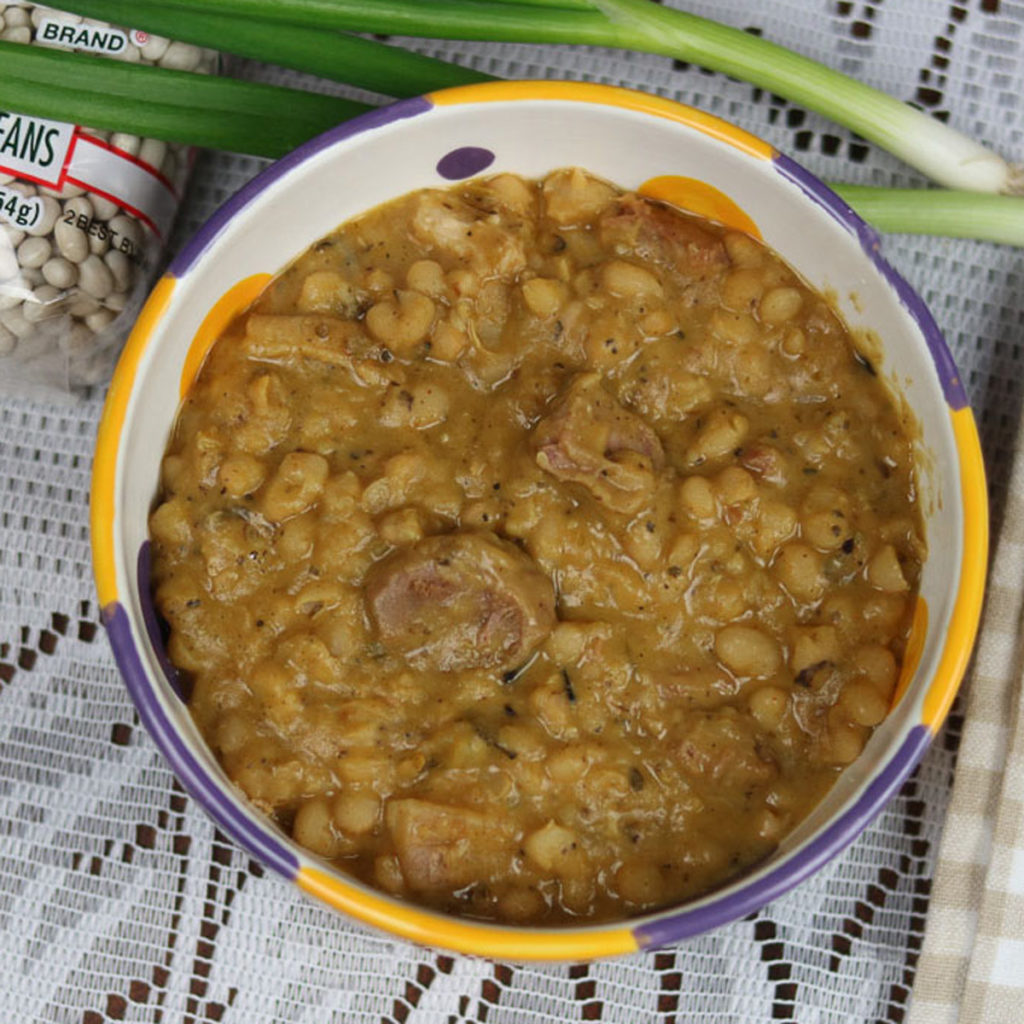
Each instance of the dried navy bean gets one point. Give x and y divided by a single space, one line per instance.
72 241
180 57
40 306
60 272
94 277
34 252
120 266
51 211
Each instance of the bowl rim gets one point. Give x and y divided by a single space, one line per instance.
736 898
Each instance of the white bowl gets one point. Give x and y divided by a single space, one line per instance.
638 142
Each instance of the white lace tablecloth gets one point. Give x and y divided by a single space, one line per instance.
119 900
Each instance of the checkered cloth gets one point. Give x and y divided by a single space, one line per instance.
972 964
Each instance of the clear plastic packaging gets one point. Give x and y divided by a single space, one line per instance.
84 215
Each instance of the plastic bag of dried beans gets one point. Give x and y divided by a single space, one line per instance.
84 215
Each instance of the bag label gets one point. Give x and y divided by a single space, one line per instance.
76 36
34 147
54 154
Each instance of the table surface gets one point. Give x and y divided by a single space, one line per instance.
119 900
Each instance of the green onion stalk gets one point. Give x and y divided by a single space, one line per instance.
947 212
388 70
176 106
267 120
942 153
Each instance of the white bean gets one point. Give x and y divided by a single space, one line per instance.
103 209
83 305
121 267
16 323
127 227
98 320
180 57
60 273
155 47
20 34
45 303
95 278
72 241
98 244
152 152
130 55
34 252
13 235
129 143
51 211
80 206
16 17
116 301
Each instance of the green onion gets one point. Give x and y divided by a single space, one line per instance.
495 20
910 211
267 120
569 5
177 106
387 70
944 154
937 150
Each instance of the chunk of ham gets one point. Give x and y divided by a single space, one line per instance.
449 225
461 601
721 750
590 439
443 847
654 231
290 338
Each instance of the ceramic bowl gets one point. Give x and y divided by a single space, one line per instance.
638 142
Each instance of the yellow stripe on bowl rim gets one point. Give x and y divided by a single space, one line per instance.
963 624
102 495
240 295
461 935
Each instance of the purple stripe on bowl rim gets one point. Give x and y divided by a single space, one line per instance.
674 927
870 241
221 217
260 842
152 620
